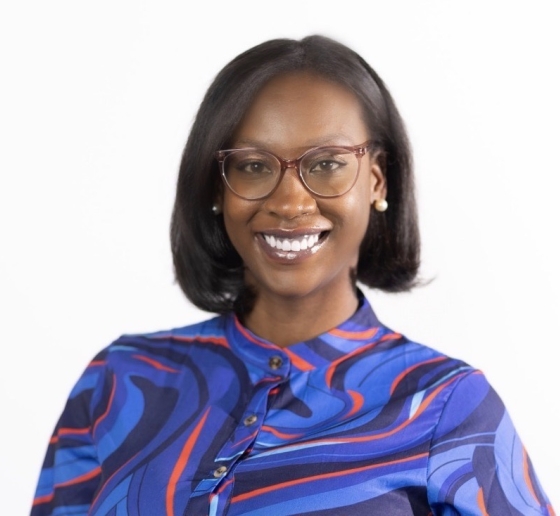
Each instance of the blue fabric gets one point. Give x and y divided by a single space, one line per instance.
210 419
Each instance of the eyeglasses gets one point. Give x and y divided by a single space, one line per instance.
329 171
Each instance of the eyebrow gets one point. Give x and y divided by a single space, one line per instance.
330 139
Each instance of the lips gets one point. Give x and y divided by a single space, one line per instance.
300 243
291 246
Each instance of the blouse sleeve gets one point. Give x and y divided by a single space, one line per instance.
477 464
71 470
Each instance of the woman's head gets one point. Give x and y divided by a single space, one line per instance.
208 268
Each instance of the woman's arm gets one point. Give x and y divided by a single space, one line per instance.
71 470
478 464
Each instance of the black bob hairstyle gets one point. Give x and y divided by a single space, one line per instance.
207 267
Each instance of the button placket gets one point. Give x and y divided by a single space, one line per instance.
220 471
250 420
275 362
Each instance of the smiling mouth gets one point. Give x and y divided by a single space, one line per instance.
301 243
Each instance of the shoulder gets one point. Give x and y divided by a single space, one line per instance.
214 327
416 367
471 403
172 346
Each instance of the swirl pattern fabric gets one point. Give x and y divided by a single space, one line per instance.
210 419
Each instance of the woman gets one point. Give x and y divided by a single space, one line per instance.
295 183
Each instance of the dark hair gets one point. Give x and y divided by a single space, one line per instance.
207 267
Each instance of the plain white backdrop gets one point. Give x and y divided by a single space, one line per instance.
96 102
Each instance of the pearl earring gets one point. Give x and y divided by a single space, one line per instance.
216 210
380 204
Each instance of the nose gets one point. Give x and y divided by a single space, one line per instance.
291 198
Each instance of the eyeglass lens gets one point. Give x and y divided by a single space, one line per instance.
326 171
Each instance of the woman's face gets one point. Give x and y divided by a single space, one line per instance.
290 115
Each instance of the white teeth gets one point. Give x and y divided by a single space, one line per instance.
292 244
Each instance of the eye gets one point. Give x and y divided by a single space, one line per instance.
249 165
253 167
327 165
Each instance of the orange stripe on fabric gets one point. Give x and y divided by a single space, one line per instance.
95 363
335 363
290 483
181 464
43 499
86 476
82 478
354 335
299 362
155 363
220 341
72 431
527 476
480 502
411 368
390 336
357 402
67 431
269 379
550 510
109 405
277 433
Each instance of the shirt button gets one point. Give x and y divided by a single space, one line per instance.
275 362
249 420
218 472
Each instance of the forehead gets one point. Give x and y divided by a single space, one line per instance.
295 111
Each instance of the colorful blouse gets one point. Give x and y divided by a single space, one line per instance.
211 419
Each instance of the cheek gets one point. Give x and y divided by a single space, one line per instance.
358 208
237 215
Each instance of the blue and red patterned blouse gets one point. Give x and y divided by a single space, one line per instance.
210 419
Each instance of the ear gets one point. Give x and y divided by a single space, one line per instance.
378 184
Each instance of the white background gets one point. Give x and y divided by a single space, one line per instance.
96 103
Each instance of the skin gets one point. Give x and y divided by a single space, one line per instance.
298 300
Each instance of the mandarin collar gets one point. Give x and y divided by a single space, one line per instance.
361 329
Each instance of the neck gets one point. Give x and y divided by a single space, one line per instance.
285 321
